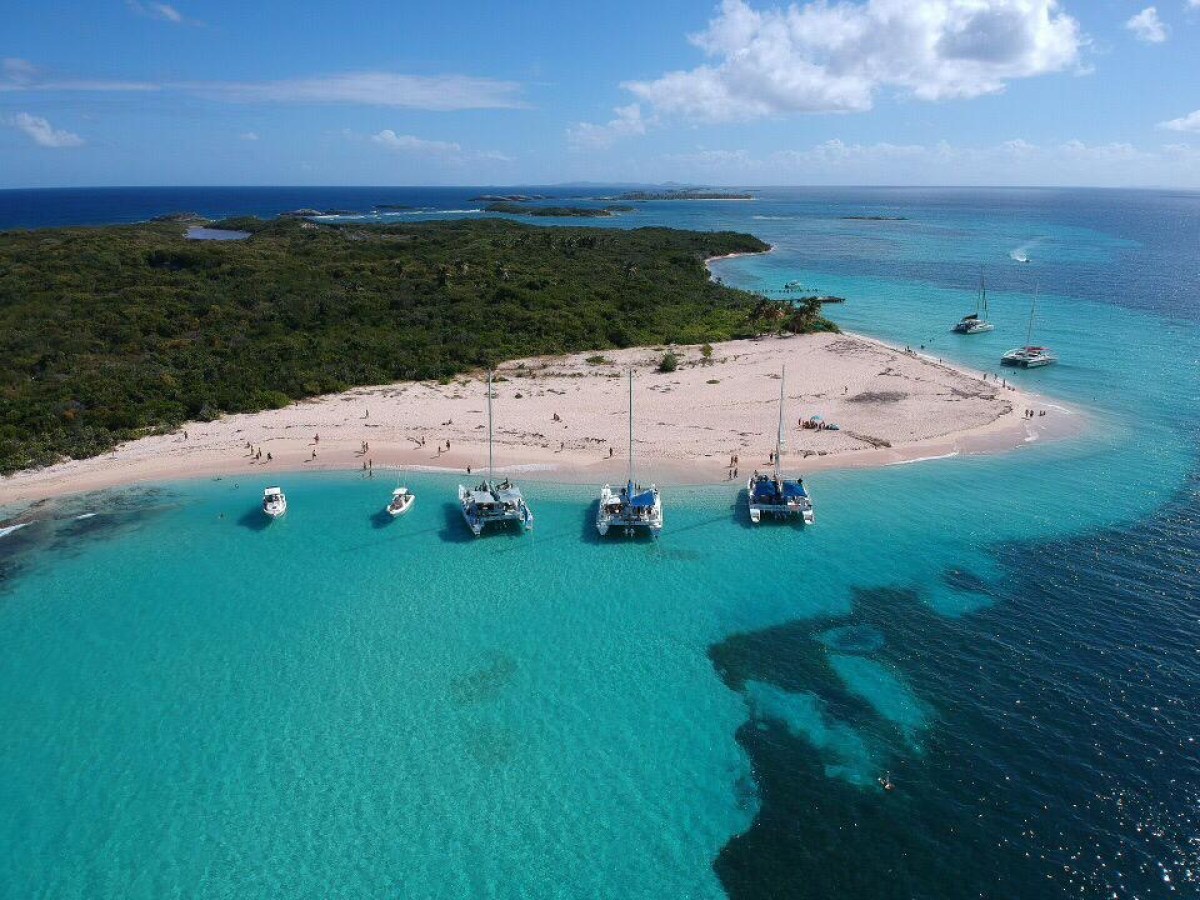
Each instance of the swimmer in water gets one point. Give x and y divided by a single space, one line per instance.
886 782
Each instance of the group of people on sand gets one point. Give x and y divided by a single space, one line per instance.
256 453
1029 413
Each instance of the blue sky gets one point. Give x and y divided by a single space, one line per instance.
1022 92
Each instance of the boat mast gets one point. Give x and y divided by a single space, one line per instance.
982 295
630 475
489 393
1032 310
779 431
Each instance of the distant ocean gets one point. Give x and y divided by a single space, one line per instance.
343 705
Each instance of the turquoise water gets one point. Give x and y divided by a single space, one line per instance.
339 704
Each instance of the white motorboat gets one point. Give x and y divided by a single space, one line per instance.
401 502
773 495
1030 356
490 502
274 503
632 508
976 322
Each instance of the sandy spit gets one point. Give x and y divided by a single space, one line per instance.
564 418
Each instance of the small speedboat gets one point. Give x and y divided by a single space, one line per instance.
402 501
274 503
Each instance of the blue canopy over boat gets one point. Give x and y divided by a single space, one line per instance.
764 491
794 489
643 500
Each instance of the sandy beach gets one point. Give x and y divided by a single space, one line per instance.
565 419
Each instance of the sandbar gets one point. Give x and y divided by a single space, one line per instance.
565 419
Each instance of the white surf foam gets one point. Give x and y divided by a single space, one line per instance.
909 462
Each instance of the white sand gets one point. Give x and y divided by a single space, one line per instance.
688 423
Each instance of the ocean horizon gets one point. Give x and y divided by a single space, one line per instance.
345 705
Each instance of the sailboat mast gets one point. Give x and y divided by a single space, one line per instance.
489 393
779 430
1032 311
983 295
630 476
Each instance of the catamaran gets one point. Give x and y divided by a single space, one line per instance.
773 494
1029 356
631 507
491 502
274 503
976 322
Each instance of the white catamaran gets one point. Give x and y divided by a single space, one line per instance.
1029 356
631 507
773 494
976 322
491 502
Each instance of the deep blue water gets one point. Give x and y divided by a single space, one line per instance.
196 705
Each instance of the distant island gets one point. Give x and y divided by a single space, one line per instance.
875 218
641 196
309 213
392 206
578 212
115 333
509 198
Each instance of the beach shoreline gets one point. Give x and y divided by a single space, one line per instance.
564 419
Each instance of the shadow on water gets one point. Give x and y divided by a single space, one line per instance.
454 530
255 519
588 533
381 518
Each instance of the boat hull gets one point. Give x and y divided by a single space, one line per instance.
394 511
615 513
477 520
798 509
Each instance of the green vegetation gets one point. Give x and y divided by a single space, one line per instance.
111 333
669 363
559 212
598 359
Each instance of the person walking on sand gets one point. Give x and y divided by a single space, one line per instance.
314 453
269 457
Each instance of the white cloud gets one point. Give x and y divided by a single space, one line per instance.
249 136
18 71
410 144
439 92
821 57
43 133
627 122
445 92
1190 122
164 12
1147 26
1015 162
444 151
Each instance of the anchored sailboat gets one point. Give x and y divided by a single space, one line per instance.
976 322
491 502
1029 356
631 507
773 494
